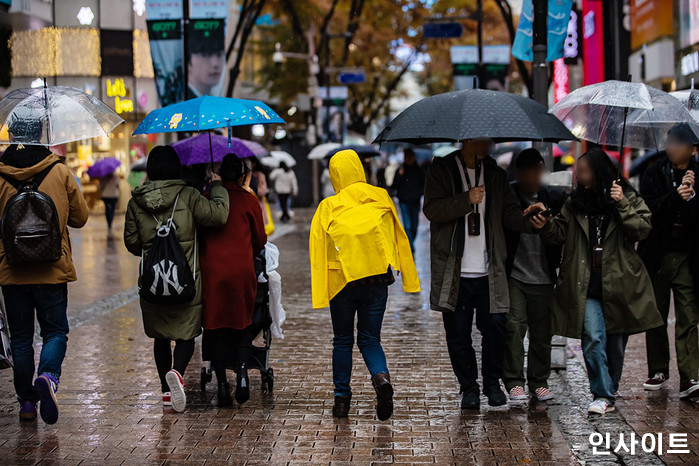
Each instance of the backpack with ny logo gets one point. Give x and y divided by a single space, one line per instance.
166 277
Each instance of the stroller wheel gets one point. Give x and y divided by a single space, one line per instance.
205 378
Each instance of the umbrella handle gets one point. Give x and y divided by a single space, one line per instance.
211 152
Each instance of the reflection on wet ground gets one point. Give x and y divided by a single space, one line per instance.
111 410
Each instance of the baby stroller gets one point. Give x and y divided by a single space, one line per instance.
261 322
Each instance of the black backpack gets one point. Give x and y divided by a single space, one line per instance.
166 277
31 232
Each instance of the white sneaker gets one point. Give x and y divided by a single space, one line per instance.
656 382
599 406
517 393
177 395
543 394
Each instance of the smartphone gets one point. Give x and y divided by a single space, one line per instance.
544 213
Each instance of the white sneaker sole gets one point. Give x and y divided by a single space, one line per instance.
177 395
545 397
690 394
600 411
652 388
518 397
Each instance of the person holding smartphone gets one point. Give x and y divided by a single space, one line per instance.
603 292
469 202
532 270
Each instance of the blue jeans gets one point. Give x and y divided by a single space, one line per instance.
110 204
411 220
369 303
50 303
603 353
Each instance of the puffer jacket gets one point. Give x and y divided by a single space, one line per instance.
339 256
150 206
61 187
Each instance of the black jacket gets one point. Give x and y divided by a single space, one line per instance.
663 201
552 198
409 186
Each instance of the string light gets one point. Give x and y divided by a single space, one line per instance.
56 52
142 63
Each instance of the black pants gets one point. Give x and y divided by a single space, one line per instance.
226 346
162 351
458 325
110 204
284 202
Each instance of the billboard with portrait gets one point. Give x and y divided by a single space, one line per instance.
689 22
206 60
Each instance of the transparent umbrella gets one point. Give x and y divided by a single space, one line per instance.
625 114
690 99
54 115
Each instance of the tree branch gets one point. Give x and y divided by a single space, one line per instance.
506 11
296 26
254 13
238 27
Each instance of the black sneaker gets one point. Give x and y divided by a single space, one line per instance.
471 400
496 397
689 390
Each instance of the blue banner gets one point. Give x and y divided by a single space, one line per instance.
559 16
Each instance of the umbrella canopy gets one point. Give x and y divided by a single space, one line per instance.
140 165
54 115
196 149
471 114
361 150
276 157
103 167
320 151
256 148
607 112
641 163
207 112
690 99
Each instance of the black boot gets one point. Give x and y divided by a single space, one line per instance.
342 406
224 394
384 395
496 397
242 387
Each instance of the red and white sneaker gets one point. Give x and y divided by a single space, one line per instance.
517 393
656 382
177 395
543 394
600 406
167 401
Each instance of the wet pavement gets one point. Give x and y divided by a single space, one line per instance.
111 412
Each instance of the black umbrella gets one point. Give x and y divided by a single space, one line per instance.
472 114
641 163
361 150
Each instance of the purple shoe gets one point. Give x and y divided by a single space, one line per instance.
46 385
27 411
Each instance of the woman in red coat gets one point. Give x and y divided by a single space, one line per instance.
229 281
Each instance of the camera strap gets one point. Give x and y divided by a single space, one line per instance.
466 180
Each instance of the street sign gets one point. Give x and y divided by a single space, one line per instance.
442 30
355 77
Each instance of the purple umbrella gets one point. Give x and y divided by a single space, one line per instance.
257 148
196 149
103 167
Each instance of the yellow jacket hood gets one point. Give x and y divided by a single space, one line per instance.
346 169
356 234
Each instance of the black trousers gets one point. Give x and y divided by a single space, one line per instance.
163 353
473 299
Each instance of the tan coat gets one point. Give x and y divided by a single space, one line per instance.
72 210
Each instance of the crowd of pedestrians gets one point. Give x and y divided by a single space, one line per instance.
599 265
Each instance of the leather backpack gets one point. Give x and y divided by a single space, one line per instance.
31 232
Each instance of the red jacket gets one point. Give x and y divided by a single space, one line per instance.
227 263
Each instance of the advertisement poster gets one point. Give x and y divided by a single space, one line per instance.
333 112
496 61
689 22
206 63
559 15
167 51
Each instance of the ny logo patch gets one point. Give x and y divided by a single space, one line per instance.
167 271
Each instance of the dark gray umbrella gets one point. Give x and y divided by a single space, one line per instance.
471 114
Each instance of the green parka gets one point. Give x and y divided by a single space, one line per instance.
627 293
156 199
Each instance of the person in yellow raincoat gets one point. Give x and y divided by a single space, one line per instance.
356 244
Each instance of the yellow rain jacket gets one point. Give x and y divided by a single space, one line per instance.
356 234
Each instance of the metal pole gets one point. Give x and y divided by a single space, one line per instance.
479 72
326 78
540 78
313 97
185 38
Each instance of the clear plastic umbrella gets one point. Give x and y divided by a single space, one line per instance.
54 115
275 157
625 114
690 99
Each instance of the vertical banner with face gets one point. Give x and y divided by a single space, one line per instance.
167 49
334 112
206 61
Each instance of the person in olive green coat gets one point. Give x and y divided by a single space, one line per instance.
150 206
603 292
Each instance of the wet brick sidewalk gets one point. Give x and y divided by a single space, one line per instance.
111 411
